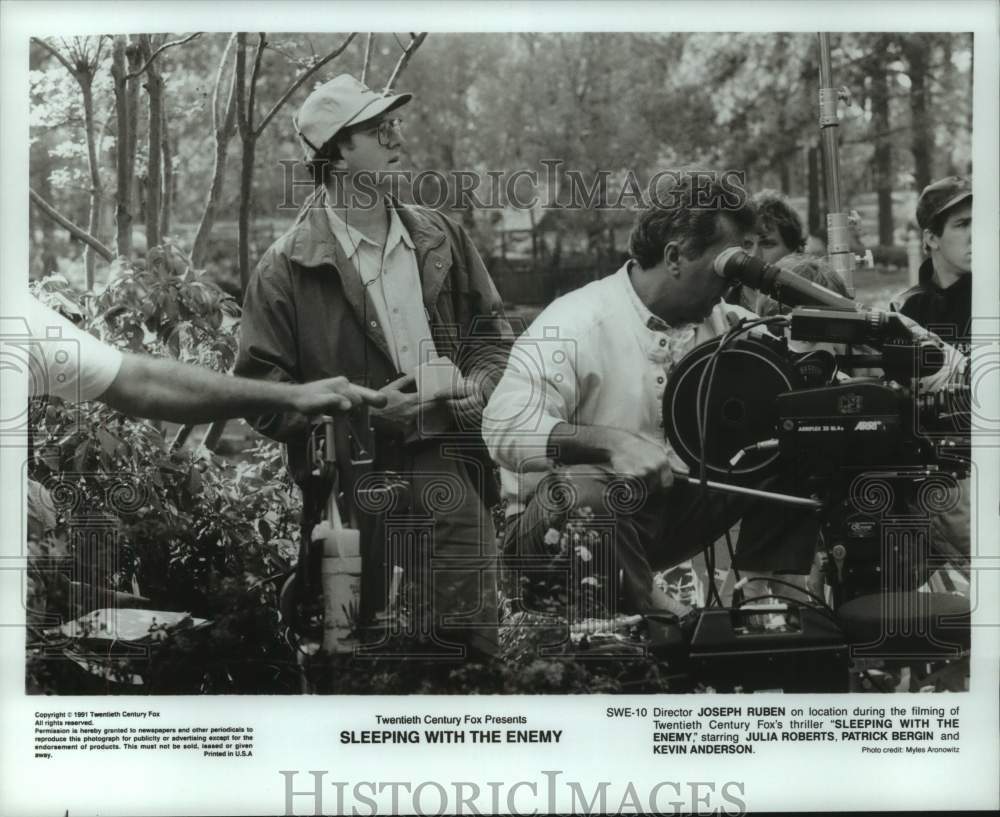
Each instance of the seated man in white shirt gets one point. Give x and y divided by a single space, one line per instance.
584 385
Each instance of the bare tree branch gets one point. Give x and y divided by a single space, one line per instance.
404 58
218 83
223 133
369 43
57 54
301 79
301 63
97 51
77 232
240 79
160 50
254 76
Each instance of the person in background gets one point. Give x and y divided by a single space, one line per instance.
780 239
942 298
942 302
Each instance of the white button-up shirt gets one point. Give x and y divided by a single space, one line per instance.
392 277
596 356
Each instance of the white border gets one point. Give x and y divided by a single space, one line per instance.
297 733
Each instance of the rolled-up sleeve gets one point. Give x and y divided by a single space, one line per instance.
539 389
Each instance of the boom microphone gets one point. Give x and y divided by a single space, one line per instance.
781 284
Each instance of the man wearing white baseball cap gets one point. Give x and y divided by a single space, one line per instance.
365 286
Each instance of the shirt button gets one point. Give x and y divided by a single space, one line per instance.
404 348
663 341
660 379
373 324
438 264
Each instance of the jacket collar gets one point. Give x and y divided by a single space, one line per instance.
312 240
312 244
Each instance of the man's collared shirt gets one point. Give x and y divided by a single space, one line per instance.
392 278
596 356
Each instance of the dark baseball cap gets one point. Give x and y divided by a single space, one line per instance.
940 196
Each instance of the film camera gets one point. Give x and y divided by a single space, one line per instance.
841 432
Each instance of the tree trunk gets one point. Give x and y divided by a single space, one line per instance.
169 180
786 149
534 237
213 436
96 192
223 135
246 196
916 51
785 175
245 126
882 158
154 193
124 161
132 95
50 259
200 252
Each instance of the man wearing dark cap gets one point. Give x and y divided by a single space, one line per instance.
942 302
365 285
942 298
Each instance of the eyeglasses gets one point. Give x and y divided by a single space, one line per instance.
383 130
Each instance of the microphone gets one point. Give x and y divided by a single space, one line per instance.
781 284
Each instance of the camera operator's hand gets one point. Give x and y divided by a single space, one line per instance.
334 394
916 330
955 366
399 415
642 457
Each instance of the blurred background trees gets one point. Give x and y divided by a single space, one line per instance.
184 137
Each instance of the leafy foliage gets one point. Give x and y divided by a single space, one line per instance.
189 530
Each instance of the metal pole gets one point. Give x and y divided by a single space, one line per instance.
785 499
837 227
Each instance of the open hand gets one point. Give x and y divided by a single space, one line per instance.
334 395
399 413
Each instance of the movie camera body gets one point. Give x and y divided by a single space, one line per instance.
844 424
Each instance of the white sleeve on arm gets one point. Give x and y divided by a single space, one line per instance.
538 391
65 361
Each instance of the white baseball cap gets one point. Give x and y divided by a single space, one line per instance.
337 104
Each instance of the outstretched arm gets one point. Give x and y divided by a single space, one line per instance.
162 389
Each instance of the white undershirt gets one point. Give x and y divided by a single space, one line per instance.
60 359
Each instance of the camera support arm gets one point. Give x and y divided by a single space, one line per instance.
785 499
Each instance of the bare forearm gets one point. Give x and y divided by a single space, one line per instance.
167 390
